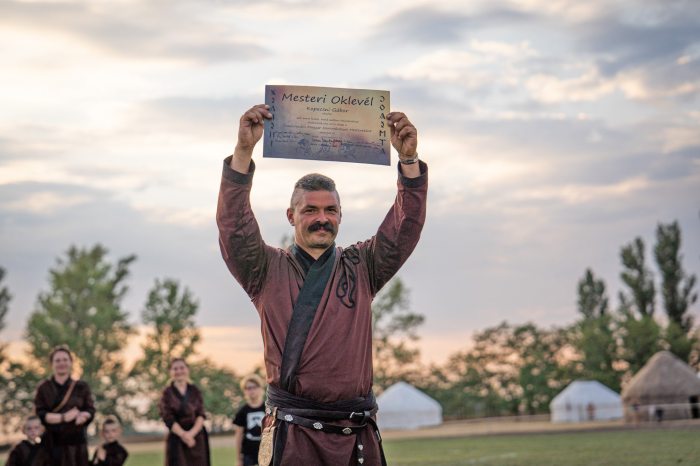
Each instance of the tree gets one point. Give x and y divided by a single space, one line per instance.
171 313
592 300
83 310
640 339
220 390
507 370
5 298
638 278
676 285
596 342
18 383
593 335
394 331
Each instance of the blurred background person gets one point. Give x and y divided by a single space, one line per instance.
65 407
28 452
247 424
111 452
182 410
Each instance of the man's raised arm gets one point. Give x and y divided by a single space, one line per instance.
242 247
398 234
250 130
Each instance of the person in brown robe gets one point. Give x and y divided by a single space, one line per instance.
182 409
111 452
28 452
65 407
334 373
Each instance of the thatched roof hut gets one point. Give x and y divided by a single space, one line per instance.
665 387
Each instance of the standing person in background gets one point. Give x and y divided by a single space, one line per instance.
65 407
28 452
110 453
182 410
248 421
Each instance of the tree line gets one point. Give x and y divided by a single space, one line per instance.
518 368
505 369
83 309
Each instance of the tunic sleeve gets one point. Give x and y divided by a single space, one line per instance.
242 246
167 410
41 403
398 234
198 405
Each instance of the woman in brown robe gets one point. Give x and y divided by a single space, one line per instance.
65 407
182 410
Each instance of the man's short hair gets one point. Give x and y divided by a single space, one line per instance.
312 182
31 417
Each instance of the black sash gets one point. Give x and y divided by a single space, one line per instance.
303 316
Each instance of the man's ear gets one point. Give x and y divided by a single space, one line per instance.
290 216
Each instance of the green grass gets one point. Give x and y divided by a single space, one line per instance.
648 448
638 448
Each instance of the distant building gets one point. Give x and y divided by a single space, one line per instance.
402 406
665 388
586 400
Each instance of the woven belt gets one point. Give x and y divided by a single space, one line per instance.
290 416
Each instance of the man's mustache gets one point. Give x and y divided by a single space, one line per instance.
321 226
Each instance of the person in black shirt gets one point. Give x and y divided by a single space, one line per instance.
110 453
248 421
28 452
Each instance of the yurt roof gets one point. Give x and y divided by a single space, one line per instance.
401 396
585 392
664 377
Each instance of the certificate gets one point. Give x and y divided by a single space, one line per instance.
327 123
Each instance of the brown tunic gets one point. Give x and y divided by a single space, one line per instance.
184 410
66 443
336 363
115 455
26 453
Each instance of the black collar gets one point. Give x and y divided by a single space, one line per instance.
307 260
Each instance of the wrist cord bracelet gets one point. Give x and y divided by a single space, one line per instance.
409 161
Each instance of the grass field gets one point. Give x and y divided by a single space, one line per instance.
638 448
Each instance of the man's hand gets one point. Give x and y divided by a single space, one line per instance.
250 128
404 136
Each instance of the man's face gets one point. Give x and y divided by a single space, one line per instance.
316 218
33 429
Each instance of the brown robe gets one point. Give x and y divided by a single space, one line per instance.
25 451
65 443
336 363
115 455
184 410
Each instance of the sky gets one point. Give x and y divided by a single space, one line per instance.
555 131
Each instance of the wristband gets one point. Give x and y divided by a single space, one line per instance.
409 161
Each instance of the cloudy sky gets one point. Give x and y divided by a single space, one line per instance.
555 130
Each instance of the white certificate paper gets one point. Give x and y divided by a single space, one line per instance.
327 123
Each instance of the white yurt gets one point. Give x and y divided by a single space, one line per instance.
586 400
402 406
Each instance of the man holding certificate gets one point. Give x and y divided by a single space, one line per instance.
314 301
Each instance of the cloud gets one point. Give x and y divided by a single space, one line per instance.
136 31
427 25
